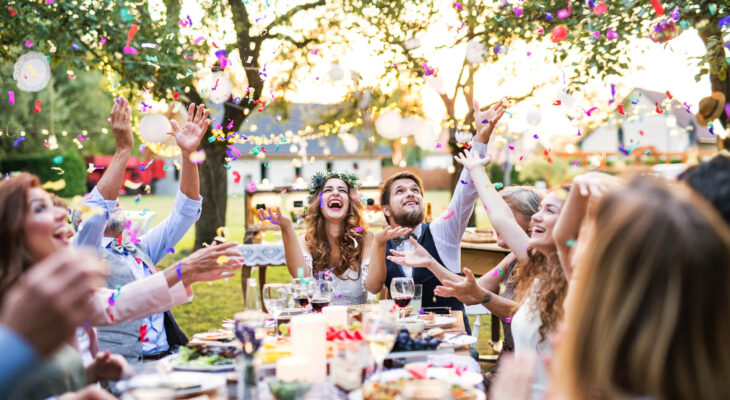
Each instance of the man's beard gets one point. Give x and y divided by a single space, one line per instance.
409 219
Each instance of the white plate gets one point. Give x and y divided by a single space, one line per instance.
458 340
172 359
438 320
203 383
467 378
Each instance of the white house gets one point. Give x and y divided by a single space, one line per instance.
673 131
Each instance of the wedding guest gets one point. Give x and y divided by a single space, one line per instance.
540 281
711 179
401 199
649 319
336 240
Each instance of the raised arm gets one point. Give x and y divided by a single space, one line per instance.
292 250
188 139
420 258
113 177
585 186
469 291
500 215
377 272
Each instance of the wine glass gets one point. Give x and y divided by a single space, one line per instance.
300 292
402 290
276 296
379 333
346 366
321 294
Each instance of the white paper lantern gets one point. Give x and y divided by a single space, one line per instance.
565 98
413 43
388 124
409 126
336 73
436 83
153 128
32 72
349 142
476 52
222 85
534 117
426 136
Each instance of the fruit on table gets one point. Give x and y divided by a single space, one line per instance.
404 342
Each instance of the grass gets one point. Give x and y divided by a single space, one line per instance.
219 300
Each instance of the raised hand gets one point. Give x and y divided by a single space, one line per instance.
487 120
119 119
466 290
275 216
391 232
418 258
107 367
188 138
594 183
211 263
471 160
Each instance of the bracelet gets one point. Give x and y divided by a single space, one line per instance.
178 269
487 297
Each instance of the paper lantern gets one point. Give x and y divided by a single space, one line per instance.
534 117
409 126
349 142
426 136
218 87
559 33
336 73
412 43
388 124
476 52
437 83
153 128
32 71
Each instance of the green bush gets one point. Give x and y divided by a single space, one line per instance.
73 166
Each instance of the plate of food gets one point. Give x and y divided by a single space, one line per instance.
430 320
478 237
421 370
457 340
204 358
395 389
215 337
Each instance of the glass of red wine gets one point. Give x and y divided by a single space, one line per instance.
321 294
402 290
300 292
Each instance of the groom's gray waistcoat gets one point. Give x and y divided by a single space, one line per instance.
124 338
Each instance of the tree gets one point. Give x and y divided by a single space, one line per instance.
163 57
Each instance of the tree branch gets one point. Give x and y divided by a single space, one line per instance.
298 44
293 11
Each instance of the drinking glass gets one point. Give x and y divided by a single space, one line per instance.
417 300
346 366
402 290
276 296
300 292
321 294
379 333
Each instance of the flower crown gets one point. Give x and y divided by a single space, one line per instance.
320 178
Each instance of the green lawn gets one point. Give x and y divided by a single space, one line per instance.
219 300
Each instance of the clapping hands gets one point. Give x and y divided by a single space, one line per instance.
188 138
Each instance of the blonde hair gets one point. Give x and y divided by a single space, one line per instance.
652 302
351 242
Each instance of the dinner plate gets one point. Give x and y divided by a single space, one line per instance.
458 340
438 320
186 384
467 378
174 361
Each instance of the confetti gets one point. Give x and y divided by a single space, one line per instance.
557 103
54 185
611 34
102 41
132 185
669 95
658 9
358 229
621 109
724 21
236 177
178 270
222 259
197 157
588 113
251 187
658 110
508 320
37 106
143 333
458 6
510 147
11 97
60 171
570 243
199 39
559 33
111 300
449 215
132 31
18 140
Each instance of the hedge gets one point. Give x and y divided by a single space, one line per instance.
72 164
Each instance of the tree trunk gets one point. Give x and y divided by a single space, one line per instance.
719 82
214 189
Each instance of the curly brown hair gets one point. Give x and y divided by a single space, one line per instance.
549 289
316 236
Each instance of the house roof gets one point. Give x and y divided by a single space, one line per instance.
299 116
684 118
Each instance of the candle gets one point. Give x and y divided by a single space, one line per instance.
335 316
293 368
308 339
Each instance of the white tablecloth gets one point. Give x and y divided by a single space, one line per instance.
262 254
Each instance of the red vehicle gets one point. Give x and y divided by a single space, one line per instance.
138 171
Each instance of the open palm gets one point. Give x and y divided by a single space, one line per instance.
188 138
418 258
486 120
472 161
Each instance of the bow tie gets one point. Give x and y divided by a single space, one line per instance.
400 239
125 246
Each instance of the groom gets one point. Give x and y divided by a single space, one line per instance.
401 199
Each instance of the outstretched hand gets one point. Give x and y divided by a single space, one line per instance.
418 258
391 232
275 216
108 367
466 290
594 183
487 120
472 161
211 263
119 119
188 138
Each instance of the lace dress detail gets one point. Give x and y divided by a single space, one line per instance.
347 291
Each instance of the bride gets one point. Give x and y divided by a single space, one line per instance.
336 239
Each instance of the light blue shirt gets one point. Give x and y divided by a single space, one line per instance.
91 231
18 356
156 242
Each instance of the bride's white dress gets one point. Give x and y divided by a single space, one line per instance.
349 291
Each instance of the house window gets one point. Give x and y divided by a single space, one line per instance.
297 172
621 135
329 165
264 170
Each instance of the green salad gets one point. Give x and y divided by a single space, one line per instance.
201 355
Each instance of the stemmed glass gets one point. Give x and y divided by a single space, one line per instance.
402 290
276 297
321 294
379 332
300 291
